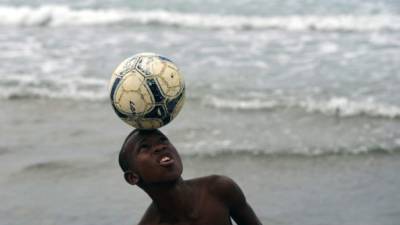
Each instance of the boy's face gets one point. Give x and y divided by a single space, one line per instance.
153 157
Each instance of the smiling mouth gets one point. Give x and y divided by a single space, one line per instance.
166 161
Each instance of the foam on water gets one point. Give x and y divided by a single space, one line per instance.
29 86
342 106
78 88
335 106
61 15
301 152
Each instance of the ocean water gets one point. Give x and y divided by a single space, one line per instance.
298 101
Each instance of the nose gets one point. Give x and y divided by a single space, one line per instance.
159 148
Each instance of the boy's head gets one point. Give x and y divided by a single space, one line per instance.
148 157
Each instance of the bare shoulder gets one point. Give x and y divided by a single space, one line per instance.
220 183
222 187
214 182
149 216
215 178
228 193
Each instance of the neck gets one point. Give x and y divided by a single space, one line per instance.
172 199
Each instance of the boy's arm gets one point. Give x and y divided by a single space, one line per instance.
234 198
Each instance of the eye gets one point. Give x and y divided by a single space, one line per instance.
143 147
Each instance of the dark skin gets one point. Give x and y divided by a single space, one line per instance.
156 167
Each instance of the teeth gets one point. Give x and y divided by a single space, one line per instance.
165 158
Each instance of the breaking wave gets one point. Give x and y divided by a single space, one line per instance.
310 153
28 87
289 152
96 90
61 15
81 89
336 106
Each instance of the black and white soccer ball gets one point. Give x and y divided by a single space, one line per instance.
147 91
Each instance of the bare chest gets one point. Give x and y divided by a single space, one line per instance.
210 212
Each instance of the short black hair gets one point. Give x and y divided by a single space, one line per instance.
123 158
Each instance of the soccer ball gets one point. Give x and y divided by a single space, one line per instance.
147 91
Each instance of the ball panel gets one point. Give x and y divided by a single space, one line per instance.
132 81
114 84
123 68
159 112
126 66
132 103
129 65
149 123
149 65
131 96
155 90
178 105
131 121
147 97
170 81
172 103
165 59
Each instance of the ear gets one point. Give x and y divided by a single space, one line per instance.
131 177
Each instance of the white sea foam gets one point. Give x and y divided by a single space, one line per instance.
60 15
241 104
341 106
29 86
227 147
336 106
328 48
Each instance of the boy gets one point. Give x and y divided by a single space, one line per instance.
151 162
